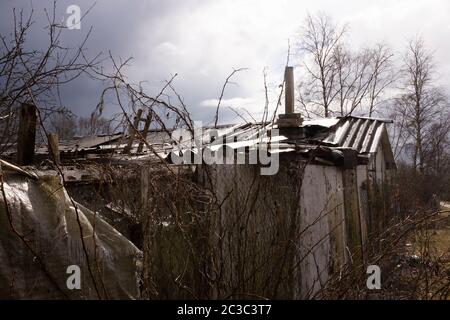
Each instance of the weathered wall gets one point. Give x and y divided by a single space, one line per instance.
377 191
279 236
287 227
322 241
333 207
256 230
362 175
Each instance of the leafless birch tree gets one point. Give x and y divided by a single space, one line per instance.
319 39
422 102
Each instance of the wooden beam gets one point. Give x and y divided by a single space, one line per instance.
132 131
53 147
27 134
148 121
352 216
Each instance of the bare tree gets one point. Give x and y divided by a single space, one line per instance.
353 78
319 39
339 79
93 125
63 123
342 59
38 74
383 75
436 142
421 102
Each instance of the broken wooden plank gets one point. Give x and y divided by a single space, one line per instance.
148 121
53 147
132 131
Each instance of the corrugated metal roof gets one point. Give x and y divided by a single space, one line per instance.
360 134
357 133
321 122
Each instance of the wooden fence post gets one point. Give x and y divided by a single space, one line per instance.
27 134
53 147
148 121
132 131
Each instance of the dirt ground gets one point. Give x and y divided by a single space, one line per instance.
423 268
440 237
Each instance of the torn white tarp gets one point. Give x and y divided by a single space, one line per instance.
40 237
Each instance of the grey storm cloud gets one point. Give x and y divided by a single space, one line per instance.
202 41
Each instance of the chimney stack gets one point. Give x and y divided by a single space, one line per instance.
289 119
289 90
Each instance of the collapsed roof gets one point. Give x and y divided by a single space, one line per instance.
324 135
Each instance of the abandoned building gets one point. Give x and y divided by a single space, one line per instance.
276 236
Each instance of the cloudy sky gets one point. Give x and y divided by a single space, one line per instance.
202 41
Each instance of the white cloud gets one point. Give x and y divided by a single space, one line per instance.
167 48
216 37
237 102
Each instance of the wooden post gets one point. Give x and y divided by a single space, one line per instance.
132 131
53 147
148 121
289 90
351 207
27 134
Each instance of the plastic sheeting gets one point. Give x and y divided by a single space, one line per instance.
40 237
